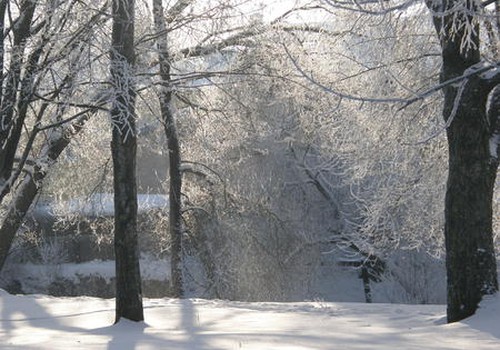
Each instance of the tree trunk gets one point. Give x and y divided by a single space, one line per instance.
174 157
470 253
175 213
3 8
123 149
10 123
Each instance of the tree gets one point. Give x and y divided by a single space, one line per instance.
36 102
472 145
11 123
123 149
31 184
473 160
174 156
226 35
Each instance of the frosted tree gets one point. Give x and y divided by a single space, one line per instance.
168 120
468 75
45 61
473 161
196 43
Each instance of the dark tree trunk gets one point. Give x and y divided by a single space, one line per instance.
3 8
175 213
174 157
123 148
470 253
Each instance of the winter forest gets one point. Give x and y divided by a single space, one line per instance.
249 154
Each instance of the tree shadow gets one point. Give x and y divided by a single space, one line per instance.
19 311
191 324
127 335
15 313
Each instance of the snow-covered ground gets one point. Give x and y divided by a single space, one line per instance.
42 322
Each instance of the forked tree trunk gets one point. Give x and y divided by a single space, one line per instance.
123 149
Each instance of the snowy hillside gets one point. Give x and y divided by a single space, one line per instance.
41 322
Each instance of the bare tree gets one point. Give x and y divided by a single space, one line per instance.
174 156
41 111
11 124
175 86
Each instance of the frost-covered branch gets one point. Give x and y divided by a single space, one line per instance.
490 73
369 7
30 186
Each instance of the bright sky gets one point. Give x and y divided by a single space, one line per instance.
273 9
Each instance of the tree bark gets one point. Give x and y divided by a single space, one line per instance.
470 253
123 149
3 8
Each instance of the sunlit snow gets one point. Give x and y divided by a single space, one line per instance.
42 322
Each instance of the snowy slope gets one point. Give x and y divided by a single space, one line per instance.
41 322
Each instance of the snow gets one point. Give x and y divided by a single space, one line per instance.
96 205
102 204
43 322
490 73
37 278
153 269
